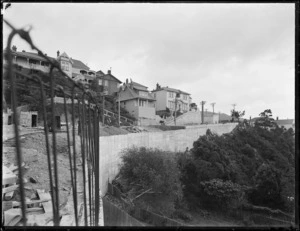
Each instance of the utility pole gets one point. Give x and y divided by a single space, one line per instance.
233 114
233 106
213 106
202 114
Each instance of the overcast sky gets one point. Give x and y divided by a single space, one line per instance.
222 53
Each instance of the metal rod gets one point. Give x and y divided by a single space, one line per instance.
83 157
74 158
69 150
56 200
47 142
16 123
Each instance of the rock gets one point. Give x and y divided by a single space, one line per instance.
32 180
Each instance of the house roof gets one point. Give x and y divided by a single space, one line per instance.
128 94
79 65
139 88
171 89
108 77
137 84
100 72
30 55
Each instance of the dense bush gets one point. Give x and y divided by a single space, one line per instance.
222 194
257 158
151 178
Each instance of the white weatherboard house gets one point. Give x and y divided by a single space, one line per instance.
166 98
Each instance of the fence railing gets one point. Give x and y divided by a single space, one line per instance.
86 146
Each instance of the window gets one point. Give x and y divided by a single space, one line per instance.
154 95
100 82
185 97
105 82
142 103
171 105
171 94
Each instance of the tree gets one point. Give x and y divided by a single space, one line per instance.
151 176
236 115
266 120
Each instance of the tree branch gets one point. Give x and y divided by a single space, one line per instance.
142 193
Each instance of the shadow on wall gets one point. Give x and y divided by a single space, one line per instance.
114 216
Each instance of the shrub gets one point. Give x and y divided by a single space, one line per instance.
223 193
146 171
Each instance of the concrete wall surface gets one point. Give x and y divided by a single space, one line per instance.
176 140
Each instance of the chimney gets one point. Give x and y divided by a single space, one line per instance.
23 51
126 81
58 53
14 48
109 72
277 118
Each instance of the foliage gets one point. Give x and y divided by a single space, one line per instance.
236 115
259 160
151 176
266 120
222 194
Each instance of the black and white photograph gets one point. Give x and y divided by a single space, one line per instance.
146 114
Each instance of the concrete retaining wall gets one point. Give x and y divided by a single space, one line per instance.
178 140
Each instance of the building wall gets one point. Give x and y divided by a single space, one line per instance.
113 86
161 100
176 140
146 112
132 107
26 118
190 117
211 119
66 65
129 105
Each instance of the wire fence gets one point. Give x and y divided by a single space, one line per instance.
82 107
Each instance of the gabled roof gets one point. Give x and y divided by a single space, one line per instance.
140 88
128 94
79 65
170 89
138 84
107 77
100 72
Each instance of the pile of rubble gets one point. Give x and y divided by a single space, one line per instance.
134 129
38 202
